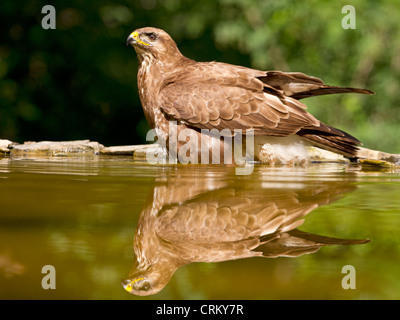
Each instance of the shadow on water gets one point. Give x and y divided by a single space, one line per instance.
206 219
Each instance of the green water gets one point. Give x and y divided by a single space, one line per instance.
80 215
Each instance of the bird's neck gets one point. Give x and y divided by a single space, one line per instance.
161 65
153 75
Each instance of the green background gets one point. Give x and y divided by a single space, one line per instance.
79 80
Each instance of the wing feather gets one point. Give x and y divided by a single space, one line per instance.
216 106
299 85
221 96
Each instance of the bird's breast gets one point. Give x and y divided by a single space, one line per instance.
149 84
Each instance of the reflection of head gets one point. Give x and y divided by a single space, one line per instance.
148 281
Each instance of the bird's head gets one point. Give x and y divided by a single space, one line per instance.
154 42
139 286
149 281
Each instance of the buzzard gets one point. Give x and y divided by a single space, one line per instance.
202 98
210 219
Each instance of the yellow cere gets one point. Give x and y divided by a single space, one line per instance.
135 35
129 285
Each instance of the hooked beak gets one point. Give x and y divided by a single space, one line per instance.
134 39
128 284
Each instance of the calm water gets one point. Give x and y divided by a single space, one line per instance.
86 217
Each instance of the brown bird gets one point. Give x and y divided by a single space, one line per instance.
209 219
203 96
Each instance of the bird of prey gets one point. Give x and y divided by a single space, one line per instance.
203 96
208 220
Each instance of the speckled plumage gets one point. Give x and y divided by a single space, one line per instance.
188 219
214 95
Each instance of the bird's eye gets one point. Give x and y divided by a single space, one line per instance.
152 36
145 286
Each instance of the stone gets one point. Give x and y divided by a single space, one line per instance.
124 150
320 155
5 146
365 153
152 149
137 151
55 148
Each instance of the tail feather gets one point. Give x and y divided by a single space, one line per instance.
329 90
295 243
332 139
299 85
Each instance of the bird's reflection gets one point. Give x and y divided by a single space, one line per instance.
210 220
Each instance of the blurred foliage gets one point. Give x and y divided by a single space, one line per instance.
79 80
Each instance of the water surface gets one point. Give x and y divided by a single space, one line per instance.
82 216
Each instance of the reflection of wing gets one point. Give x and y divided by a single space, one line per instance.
227 224
230 224
224 215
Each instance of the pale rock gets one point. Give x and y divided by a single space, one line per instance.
56 148
4 146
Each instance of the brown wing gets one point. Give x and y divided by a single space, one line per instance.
222 96
299 85
220 106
